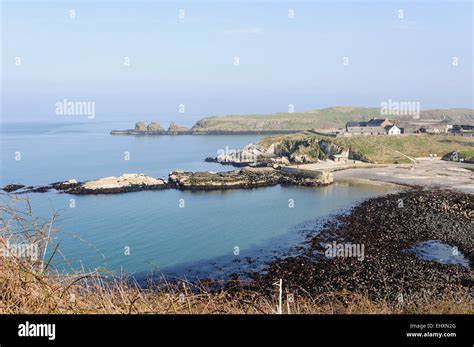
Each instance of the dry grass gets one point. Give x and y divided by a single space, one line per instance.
33 286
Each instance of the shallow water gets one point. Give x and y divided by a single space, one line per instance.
440 252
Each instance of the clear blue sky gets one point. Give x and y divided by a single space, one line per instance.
190 61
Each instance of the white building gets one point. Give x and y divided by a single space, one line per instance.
374 126
393 130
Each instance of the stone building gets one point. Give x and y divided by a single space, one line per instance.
373 127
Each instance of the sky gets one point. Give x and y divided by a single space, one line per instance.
330 53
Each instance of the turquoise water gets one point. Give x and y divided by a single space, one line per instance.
144 231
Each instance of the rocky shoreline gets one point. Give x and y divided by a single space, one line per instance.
387 227
238 179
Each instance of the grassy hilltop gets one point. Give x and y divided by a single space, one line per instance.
332 117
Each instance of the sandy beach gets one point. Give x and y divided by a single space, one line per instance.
425 173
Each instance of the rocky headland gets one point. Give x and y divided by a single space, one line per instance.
285 151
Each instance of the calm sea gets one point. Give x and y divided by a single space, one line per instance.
148 231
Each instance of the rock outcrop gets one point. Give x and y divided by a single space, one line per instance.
250 155
300 178
142 129
12 187
72 183
140 126
223 180
174 128
244 178
121 184
284 152
154 127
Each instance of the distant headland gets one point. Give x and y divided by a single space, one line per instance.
155 129
332 118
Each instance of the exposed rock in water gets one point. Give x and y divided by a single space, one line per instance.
72 183
153 127
245 178
42 189
22 189
12 187
320 178
174 128
140 126
141 129
223 180
121 184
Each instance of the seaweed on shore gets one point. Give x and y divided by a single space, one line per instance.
387 227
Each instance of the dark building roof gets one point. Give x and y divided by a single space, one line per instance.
356 124
375 122
463 127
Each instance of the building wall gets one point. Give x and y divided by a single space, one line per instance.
366 130
394 131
